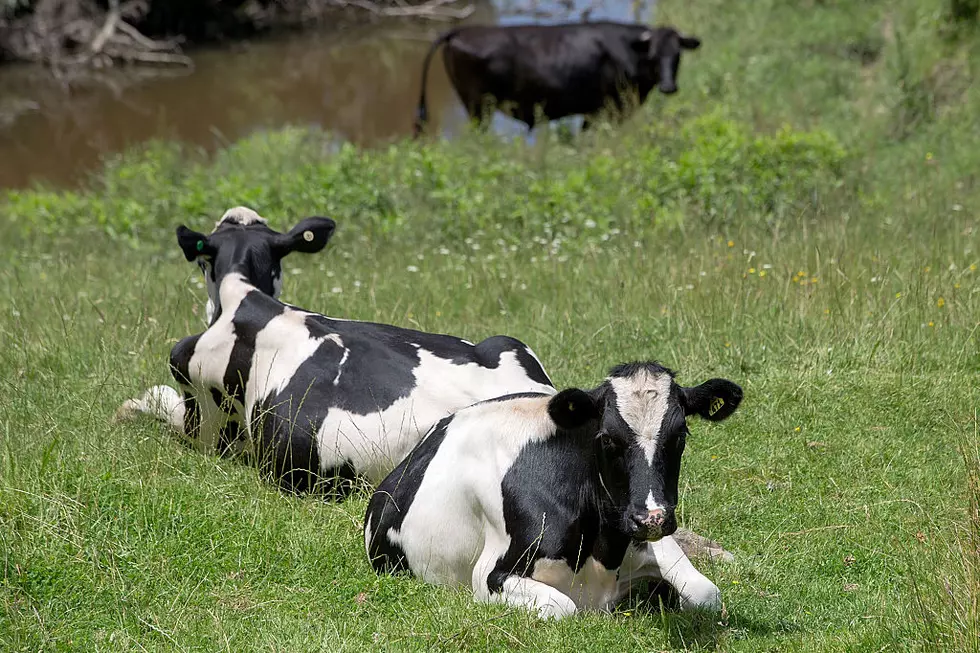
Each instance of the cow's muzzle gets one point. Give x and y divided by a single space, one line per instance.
668 89
653 524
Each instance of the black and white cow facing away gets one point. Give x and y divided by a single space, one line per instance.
557 503
318 398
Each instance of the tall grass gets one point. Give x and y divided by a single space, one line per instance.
947 584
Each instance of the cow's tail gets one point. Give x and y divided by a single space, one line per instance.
422 112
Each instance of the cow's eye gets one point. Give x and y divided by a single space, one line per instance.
607 441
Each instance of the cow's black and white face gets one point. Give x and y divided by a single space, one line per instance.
641 437
242 242
663 47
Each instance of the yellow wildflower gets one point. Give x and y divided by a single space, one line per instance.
762 273
930 323
751 270
928 156
731 243
940 302
956 286
898 295
973 267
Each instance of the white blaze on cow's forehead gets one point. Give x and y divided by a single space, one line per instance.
240 215
642 401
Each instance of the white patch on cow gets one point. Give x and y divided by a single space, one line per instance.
160 401
454 532
340 366
651 503
241 215
210 360
593 587
280 348
549 602
642 401
277 286
375 443
368 536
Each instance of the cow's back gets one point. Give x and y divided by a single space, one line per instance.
567 69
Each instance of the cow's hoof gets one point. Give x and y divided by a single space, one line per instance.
703 596
557 608
695 546
127 411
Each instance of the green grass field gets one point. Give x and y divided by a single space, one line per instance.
802 218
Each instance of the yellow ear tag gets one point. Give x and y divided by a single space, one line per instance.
308 236
571 407
716 405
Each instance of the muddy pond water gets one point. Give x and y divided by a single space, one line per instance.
361 84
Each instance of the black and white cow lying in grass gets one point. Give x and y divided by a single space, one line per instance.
320 399
557 503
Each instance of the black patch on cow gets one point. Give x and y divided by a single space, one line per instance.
626 370
253 314
382 359
553 507
337 483
516 395
180 359
394 497
286 450
490 350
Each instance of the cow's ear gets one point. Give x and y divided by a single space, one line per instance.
714 400
572 408
690 42
309 236
644 42
194 244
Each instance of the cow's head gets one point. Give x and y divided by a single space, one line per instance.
660 49
638 433
242 242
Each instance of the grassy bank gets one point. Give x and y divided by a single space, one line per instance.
801 218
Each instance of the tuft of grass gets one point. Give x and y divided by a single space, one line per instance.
947 584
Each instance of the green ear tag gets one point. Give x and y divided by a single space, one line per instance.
571 406
200 245
716 405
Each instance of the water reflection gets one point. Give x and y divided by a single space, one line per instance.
364 86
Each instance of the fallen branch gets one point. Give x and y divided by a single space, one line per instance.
434 9
107 29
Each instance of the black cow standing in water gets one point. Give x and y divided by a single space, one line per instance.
559 70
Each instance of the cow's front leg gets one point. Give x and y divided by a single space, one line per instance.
664 560
495 583
529 593
160 402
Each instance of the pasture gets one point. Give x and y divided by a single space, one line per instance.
801 218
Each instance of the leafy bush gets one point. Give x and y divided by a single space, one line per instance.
704 169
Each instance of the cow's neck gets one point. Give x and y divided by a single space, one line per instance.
232 289
611 543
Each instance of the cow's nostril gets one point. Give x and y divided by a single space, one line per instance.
656 517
